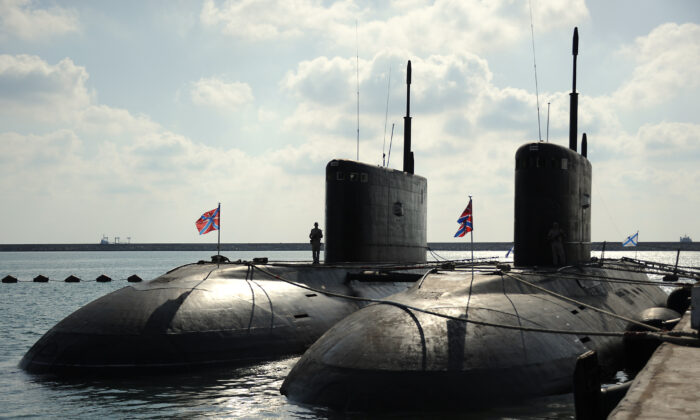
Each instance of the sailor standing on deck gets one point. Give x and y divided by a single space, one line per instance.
556 239
315 239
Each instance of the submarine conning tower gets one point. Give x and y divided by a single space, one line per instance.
553 185
374 213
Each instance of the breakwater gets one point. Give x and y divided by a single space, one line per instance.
304 246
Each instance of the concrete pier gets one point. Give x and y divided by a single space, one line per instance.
669 385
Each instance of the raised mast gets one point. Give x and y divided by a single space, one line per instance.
573 107
407 153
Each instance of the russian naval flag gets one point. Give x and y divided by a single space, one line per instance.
465 221
631 240
208 221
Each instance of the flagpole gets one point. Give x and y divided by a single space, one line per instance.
469 298
218 236
472 236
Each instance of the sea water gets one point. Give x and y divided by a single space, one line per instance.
28 310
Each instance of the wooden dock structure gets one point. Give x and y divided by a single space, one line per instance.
669 385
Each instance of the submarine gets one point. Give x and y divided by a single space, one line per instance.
474 337
223 312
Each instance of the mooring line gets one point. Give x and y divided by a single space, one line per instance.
672 336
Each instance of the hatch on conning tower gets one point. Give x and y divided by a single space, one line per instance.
553 185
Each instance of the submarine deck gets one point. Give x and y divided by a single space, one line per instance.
668 386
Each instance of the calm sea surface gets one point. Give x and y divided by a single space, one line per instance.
29 309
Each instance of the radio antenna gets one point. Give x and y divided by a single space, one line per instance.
547 122
391 139
534 61
357 67
386 116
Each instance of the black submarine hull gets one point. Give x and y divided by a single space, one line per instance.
388 356
204 314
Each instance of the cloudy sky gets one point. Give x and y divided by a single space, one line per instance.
132 118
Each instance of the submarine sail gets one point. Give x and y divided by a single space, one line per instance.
553 186
376 214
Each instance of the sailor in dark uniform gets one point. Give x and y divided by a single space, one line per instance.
315 239
556 239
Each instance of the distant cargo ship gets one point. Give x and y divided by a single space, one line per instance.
105 240
686 238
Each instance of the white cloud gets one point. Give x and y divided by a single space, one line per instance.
450 95
270 19
423 27
667 63
50 154
464 127
650 184
216 93
140 175
466 130
112 123
474 26
22 19
323 80
32 88
266 115
670 141
129 172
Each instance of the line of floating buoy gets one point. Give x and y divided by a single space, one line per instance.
103 279
9 279
72 279
40 279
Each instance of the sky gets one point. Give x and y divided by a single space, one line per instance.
133 118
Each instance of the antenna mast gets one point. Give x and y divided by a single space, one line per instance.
407 153
357 67
573 106
391 139
547 122
534 61
386 116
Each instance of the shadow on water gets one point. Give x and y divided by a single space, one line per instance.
554 407
240 392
